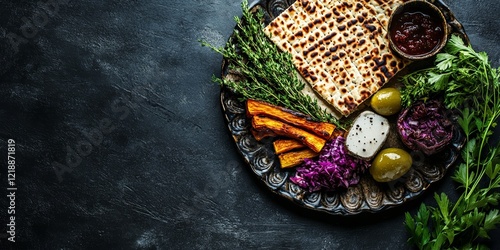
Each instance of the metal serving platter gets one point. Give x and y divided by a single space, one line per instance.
368 196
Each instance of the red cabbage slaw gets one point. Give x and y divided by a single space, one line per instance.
425 127
333 169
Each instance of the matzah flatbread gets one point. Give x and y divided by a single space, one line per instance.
339 47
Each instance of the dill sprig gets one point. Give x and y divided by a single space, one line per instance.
265 73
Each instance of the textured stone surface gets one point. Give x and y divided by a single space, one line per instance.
116 96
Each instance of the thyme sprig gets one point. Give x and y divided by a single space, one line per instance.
469 83
265 72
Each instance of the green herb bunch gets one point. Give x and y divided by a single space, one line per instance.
265 72
469 83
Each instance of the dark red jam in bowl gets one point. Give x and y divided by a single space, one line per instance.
415 33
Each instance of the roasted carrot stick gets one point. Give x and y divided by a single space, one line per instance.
312 141
259 108
285 145
294 158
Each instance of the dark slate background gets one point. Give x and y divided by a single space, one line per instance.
119 93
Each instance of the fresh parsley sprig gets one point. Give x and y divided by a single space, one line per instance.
264 72
469 83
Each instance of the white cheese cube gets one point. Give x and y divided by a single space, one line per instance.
367 135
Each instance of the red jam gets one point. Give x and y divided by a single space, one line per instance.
415 33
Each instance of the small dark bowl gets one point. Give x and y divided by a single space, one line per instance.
426 8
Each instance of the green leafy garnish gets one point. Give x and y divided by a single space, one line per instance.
469 83
265 72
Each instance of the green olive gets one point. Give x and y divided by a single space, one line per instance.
386 101
390 164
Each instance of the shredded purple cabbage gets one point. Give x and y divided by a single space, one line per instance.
333 169
425 127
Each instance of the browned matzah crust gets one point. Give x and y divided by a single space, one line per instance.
339 47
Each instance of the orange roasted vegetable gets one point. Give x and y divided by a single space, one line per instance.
312 141
337 133
285 145
261 134
294 158
259 108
